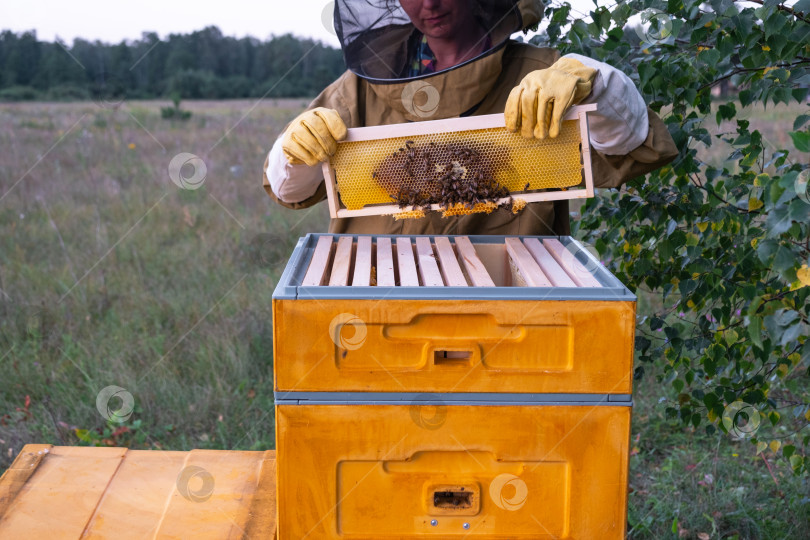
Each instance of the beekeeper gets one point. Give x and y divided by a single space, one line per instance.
415 60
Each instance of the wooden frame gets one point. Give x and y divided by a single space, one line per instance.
525 270
424 261
469 123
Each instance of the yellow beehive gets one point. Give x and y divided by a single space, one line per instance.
451 387
499 346
396 471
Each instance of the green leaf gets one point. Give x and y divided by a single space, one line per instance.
709 56
749 159
665 250
796 461
766 250
752 309
726 111
784 260
802 6
754 397
749 291
784 317
801 140
687 286
790 335
800 121
746 97
789 179
755 330
777 192
800 95
778 221
774 23
799 211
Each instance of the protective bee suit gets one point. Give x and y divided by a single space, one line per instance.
385 84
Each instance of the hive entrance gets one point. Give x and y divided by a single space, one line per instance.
453 499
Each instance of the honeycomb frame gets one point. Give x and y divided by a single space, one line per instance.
551 169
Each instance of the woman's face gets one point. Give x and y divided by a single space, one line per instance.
440 19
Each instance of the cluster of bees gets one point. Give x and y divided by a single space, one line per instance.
450 175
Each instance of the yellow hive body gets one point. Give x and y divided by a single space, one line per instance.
510 346
372 471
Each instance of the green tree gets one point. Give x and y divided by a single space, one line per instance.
203 65
21 58
724 246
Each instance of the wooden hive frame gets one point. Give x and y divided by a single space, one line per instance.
437 262
374 133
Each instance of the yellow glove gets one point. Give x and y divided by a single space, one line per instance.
543 97
312 137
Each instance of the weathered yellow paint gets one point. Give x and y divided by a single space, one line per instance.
79 492
371 471
511 346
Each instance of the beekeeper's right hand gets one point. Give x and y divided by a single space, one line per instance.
313 136
537 105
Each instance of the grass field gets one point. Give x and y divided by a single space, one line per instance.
113 275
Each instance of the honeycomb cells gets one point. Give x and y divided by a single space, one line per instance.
378 171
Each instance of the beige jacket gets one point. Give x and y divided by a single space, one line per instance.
483 86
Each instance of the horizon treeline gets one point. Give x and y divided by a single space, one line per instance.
201 65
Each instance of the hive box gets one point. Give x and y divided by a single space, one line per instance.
452 387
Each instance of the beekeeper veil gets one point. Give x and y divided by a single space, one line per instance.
381 43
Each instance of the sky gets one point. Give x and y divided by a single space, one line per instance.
112 22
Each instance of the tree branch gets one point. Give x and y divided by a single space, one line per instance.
750 70
785 9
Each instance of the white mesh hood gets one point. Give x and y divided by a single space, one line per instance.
378 37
